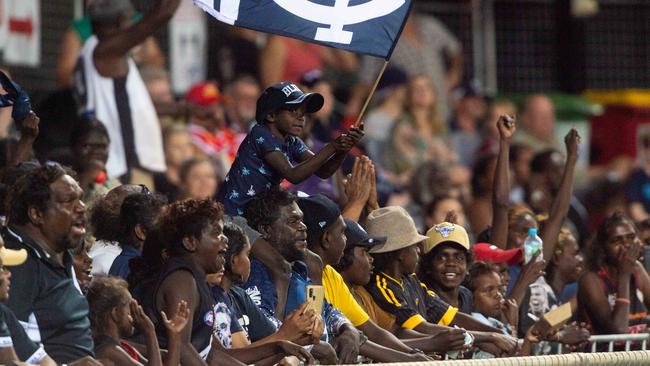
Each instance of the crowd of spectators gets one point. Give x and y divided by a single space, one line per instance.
196 229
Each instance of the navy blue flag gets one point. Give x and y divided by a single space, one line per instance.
364 26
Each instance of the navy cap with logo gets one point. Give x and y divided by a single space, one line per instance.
286 95
358 237
319 213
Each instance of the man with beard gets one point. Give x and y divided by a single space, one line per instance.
46 218
277 217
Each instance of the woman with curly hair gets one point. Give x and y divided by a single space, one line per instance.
192 245
190 235
614 294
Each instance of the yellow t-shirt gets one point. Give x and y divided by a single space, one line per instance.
338 294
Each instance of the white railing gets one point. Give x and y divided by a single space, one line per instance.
616 338
612 339
631 358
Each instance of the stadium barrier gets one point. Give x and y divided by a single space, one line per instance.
629 358
612 339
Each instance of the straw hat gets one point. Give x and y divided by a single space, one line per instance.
397 225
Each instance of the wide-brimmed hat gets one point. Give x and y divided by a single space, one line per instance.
396 225
446 232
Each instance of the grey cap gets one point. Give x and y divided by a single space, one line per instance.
108 11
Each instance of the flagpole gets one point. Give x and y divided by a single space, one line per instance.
372 92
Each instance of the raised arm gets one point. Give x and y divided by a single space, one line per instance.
175 326
324 162
501 190
332 165
28 133
562 201
121 42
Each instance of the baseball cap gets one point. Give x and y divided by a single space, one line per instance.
446 232
286 95
12 257
358 237
491 253
320 213
204 94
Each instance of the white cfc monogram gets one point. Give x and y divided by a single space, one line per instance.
337 16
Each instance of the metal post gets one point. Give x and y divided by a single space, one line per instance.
489 48
478 41
78 8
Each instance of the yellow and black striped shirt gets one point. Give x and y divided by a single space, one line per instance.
409 300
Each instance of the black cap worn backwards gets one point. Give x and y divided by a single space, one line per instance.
286 95
320 213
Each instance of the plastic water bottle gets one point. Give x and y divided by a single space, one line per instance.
532 245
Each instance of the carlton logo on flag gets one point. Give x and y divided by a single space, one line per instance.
364 26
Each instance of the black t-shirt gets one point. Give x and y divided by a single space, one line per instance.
250 316
13 334
409 300
203 322
46 297
465 298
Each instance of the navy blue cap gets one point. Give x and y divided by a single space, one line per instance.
286 95
319 213
358 237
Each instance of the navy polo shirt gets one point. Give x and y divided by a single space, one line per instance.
47 302
250 174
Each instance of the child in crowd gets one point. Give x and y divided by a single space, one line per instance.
443 266
272 151
114 315
489 306
488 303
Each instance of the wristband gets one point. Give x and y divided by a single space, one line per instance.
623 300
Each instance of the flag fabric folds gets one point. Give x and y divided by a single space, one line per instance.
370 27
